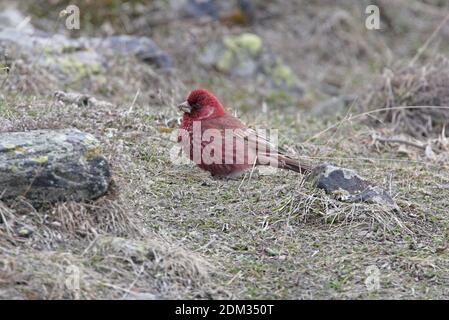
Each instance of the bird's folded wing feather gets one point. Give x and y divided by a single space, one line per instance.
242 132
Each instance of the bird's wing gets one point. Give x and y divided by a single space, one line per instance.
257 148
241 131
257 139
226 121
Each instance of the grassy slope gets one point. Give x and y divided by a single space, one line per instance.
274 236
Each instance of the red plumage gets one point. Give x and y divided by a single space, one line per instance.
229 146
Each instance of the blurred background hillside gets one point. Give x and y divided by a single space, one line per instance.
304 52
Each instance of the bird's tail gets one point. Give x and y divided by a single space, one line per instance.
285 162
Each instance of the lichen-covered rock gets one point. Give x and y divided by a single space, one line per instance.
72 60
347 185
240 54
244 55
142 47
52 165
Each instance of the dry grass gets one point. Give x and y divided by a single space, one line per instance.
43 251
423 89
109 268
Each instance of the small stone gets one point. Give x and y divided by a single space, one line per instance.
24 232
271 252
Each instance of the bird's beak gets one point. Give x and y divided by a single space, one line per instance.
185 107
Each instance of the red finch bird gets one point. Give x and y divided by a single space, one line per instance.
221 144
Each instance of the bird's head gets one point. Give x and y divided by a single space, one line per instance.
202 104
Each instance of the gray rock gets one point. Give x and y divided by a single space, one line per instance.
347 185
200 8
85 52
52 165
142 47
